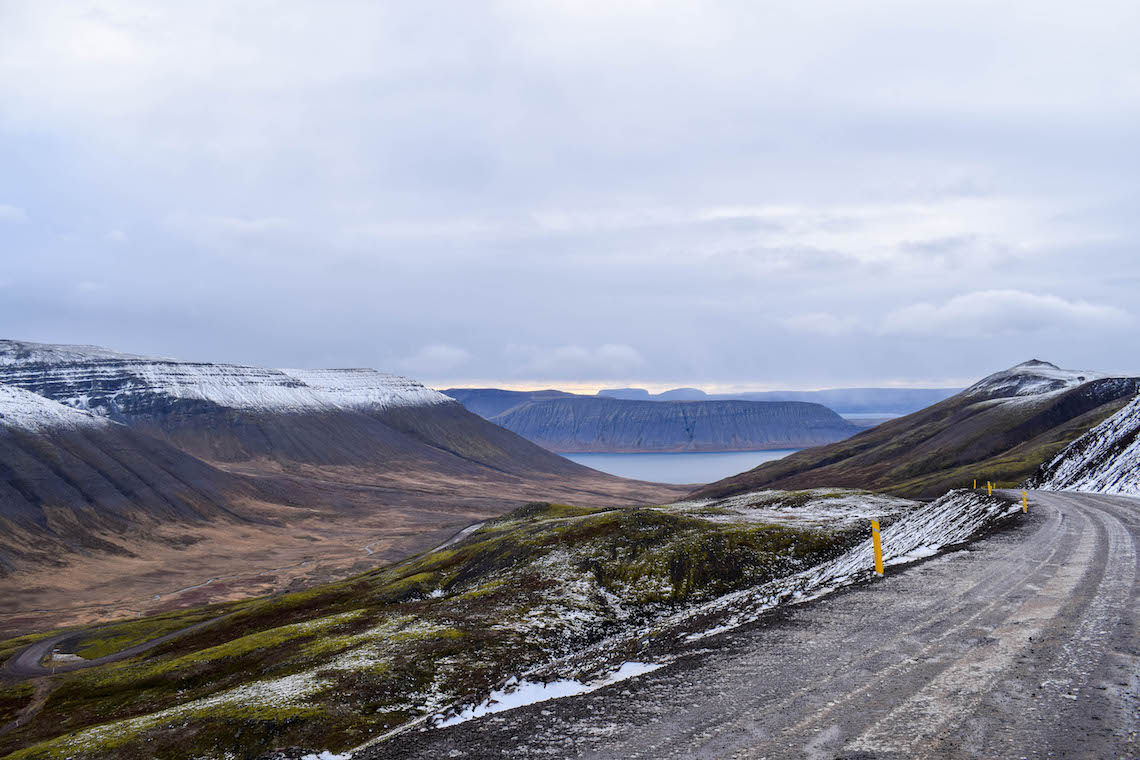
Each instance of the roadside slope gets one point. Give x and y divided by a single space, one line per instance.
1024 643
1104 460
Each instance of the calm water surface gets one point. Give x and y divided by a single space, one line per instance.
702 467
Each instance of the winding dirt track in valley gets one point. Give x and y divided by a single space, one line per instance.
1024 645
27 663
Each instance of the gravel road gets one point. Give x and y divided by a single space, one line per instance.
1024 645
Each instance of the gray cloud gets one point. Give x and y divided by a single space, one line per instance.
1004 312
435 359
733 194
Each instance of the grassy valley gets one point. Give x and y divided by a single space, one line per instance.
337 665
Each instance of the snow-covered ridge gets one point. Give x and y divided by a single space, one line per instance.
24 410
366 388
1104 460
110 383
25 352
1031 378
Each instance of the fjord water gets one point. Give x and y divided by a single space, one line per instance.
688 467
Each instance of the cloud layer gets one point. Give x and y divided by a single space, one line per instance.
818 194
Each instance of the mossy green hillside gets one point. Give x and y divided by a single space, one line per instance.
335 665
13 699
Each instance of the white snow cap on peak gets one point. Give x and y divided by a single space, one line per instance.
1031 378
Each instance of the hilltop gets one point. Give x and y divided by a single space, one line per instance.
1002 428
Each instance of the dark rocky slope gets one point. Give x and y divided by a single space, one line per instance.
72 482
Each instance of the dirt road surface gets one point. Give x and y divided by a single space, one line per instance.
1024 645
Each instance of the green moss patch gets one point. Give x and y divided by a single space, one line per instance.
333 666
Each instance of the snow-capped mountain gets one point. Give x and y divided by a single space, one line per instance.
118 385
375 422
1104 460
100 449
1031 378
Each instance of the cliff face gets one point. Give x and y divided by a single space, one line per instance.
585 424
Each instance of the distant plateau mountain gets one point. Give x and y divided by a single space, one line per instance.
571 423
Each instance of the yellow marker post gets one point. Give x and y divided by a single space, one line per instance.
989 488
1024 501
975 484
878 542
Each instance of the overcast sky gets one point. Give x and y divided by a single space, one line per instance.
578 194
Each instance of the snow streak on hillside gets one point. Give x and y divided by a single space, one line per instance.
109 383
1104 460
950 520
24 410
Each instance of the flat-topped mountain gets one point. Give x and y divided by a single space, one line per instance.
575 424
125 478
1002 428
292 419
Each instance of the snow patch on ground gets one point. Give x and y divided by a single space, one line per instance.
1104 460
516 693
831 508
950 520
